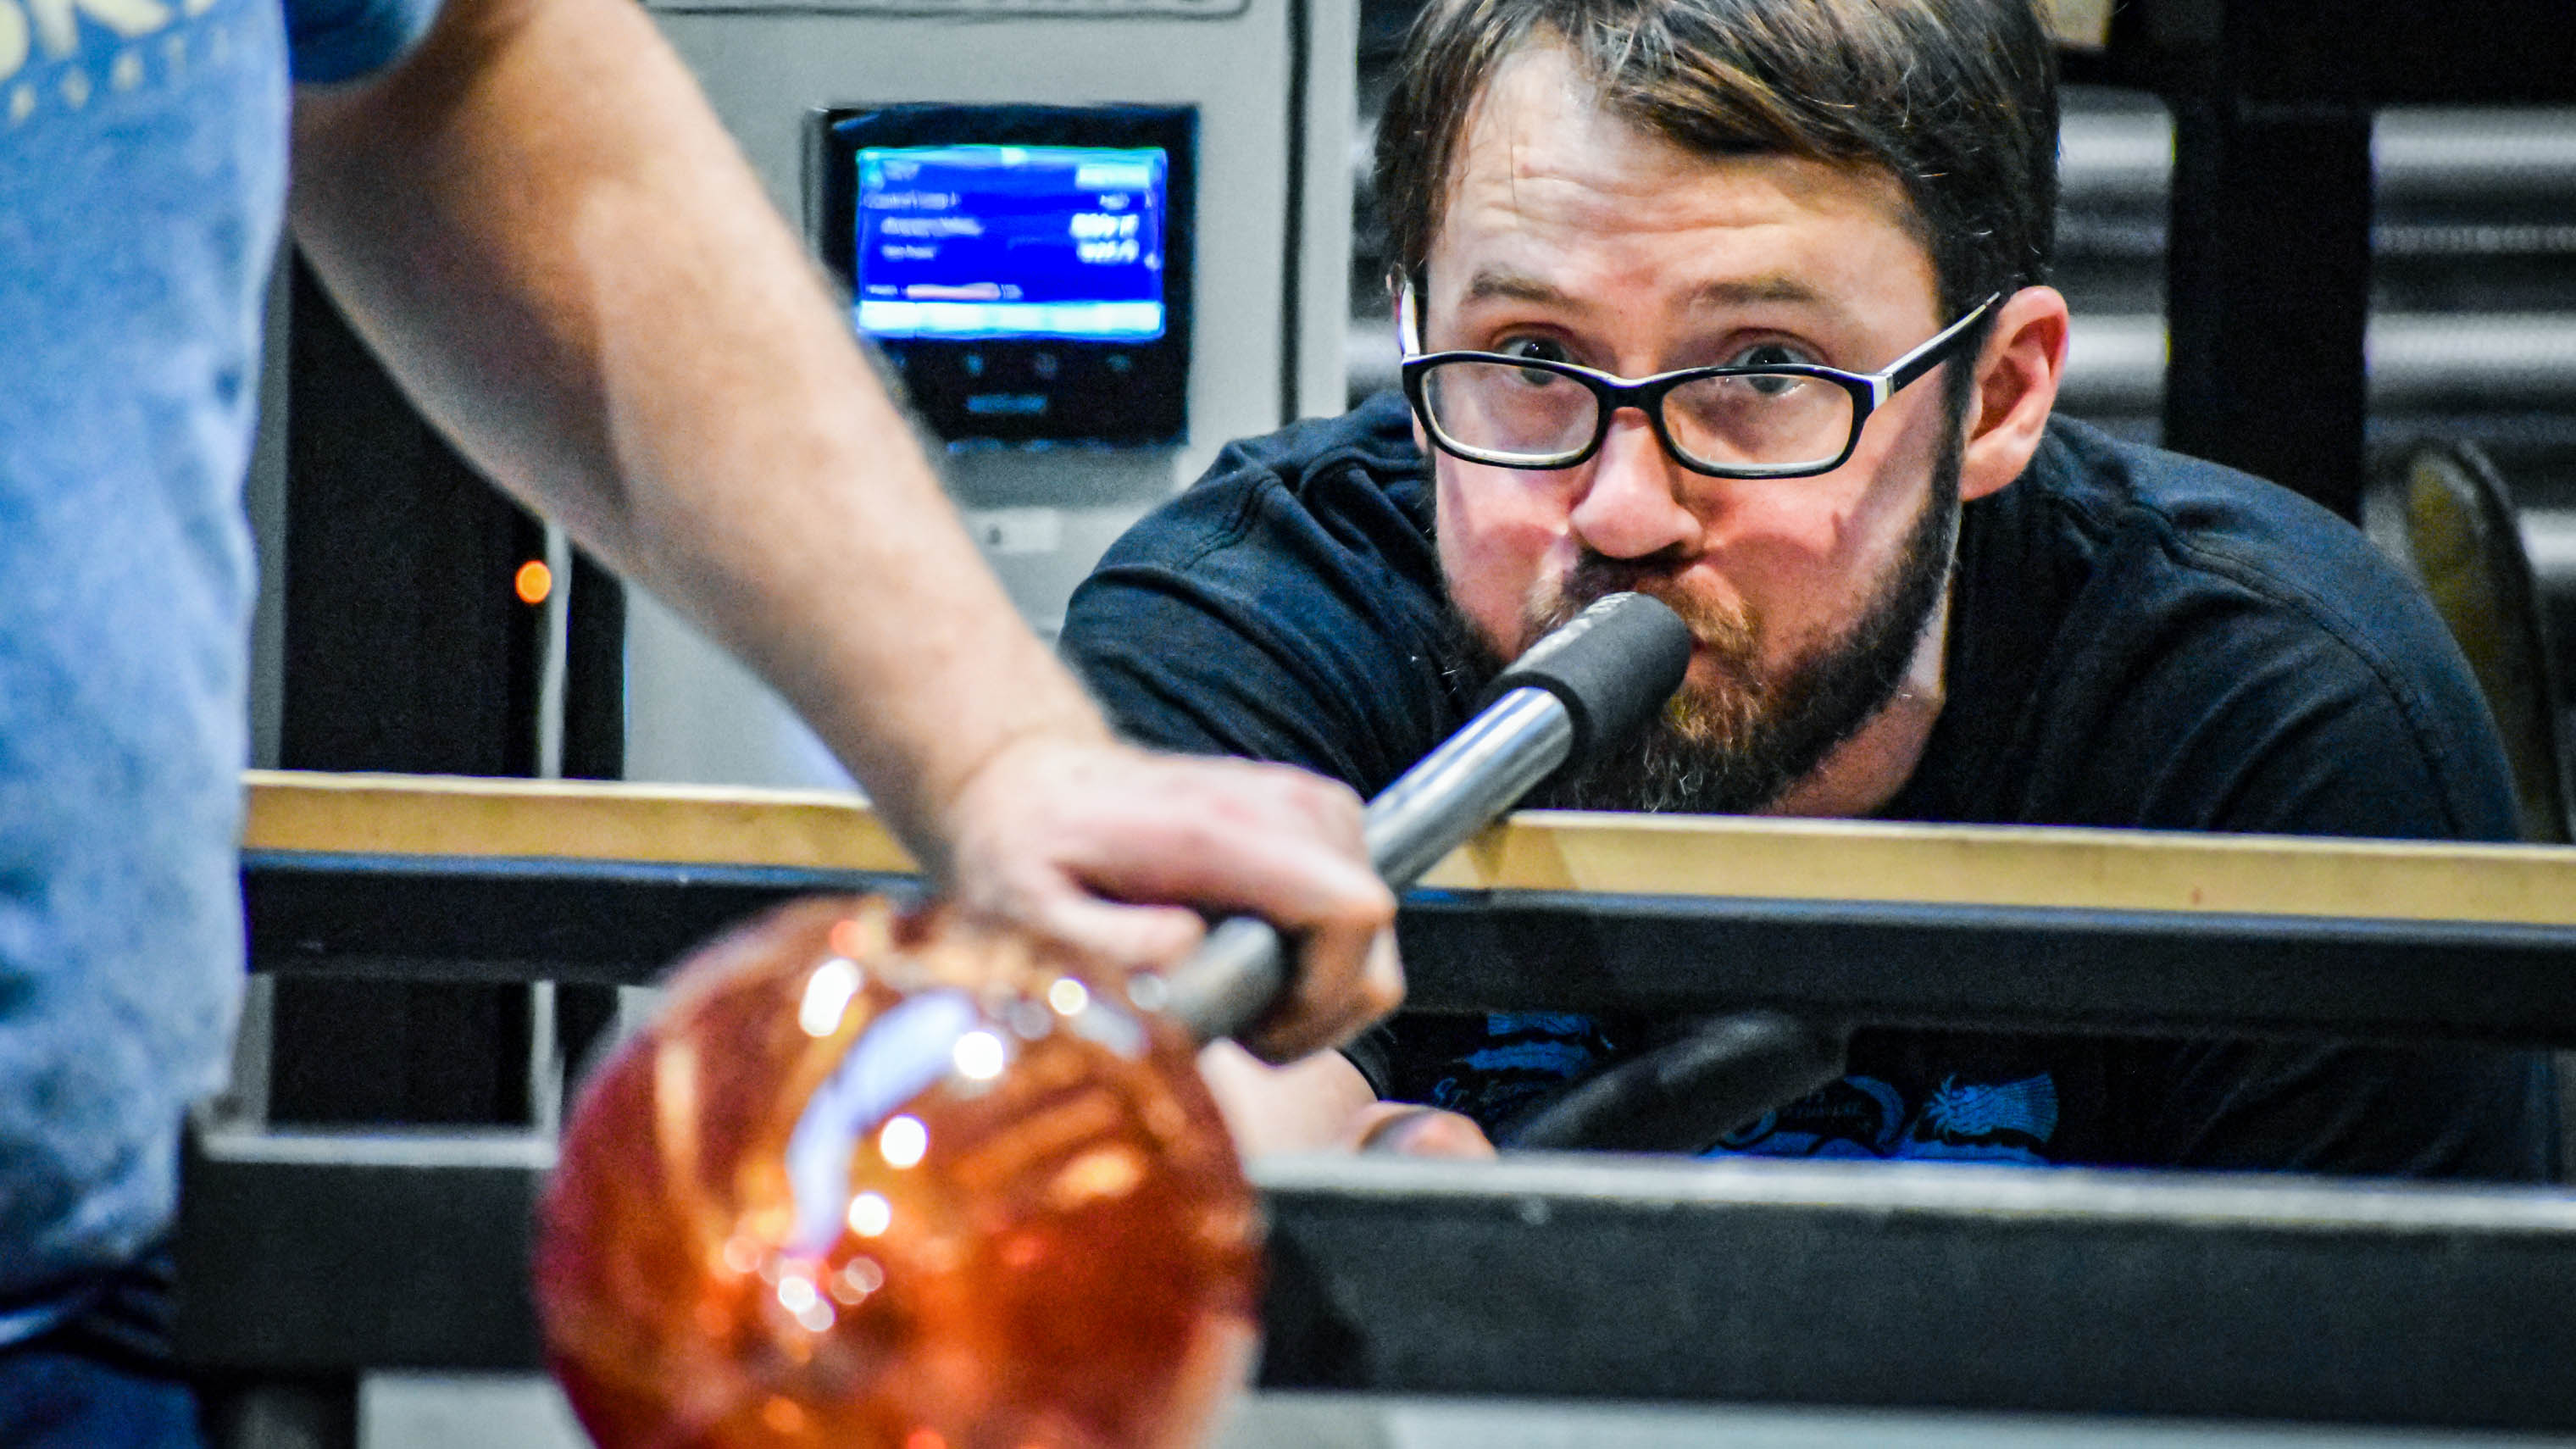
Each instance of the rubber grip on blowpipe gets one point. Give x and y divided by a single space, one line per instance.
1613 666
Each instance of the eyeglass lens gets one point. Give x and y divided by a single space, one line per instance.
1758 420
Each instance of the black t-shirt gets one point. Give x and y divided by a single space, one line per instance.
2137 640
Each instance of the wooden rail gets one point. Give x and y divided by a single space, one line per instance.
1709 856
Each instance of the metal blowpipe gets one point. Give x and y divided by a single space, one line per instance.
1568 700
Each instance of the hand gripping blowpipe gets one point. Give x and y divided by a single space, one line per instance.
1576 694
902 1179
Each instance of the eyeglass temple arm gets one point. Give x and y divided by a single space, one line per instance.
1933 352
1408 321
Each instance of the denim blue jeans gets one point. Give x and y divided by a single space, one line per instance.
102 1376
56 1398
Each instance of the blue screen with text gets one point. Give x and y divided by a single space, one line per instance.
1010 241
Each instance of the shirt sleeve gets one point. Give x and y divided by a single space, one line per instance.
330 41
2370 729
1373 1053
1237 621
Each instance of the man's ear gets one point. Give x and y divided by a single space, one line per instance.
2017 375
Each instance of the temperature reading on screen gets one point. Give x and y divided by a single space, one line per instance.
997 241
1103 239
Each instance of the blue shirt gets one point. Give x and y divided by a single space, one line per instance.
142 176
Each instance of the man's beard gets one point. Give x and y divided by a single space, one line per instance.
1740 745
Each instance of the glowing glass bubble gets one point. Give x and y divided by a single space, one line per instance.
1059 1250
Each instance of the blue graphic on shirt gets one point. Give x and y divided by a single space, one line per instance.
1549 1023
1891 1112
1528 1056
2028 1107
1520 1061
1862 1118
1558 1059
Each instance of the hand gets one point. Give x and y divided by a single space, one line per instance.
1066 836
1411 1130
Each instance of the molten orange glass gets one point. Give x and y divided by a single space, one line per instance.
876 1179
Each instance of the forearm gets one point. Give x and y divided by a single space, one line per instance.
540 224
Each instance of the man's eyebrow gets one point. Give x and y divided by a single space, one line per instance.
1492 283
1496 283
1747 291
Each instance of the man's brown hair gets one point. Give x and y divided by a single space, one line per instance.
1955 98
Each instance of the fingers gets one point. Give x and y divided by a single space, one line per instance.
1416 1131
1131 937
1341 984
1276 842
1096 845
1286 846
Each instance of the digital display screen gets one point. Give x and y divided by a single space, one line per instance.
1026 270
1010 241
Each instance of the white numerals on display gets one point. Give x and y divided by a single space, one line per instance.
1104 238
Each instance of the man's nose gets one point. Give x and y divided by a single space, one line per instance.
1632 505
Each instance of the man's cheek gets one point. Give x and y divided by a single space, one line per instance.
1493 563
1489 595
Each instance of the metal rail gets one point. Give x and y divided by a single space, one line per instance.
1857 962
2000 1289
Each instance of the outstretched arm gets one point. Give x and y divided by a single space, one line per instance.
538 222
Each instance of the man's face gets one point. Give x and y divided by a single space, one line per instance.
1571 234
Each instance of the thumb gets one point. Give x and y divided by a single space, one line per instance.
1412 1130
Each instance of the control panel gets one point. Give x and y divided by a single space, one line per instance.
1026 269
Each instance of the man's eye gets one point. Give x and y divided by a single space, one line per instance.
1540 349
1769 354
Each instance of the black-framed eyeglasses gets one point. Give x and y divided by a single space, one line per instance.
1785 420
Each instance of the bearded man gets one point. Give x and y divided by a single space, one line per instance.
1740 303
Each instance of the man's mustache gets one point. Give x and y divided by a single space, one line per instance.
1728 630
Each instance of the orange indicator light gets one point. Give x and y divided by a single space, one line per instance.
534 582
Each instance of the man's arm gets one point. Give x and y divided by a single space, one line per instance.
2348 763
540 224
2340 709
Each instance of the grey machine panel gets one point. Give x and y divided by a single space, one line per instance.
1273 82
